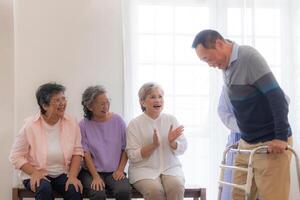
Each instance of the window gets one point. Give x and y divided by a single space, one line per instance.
158 39
165 56
264 35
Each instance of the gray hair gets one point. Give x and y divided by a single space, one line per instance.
145 90
89 96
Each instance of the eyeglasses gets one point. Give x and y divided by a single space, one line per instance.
58 101
104 103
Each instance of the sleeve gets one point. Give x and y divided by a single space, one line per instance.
225 111
123 132
134 144
266 83
78 150
84 140
181 141
287 98
20 150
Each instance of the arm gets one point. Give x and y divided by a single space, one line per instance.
124 158
177 140
75 166
97 182
20 150
279 107
147 150
123 161
18 157
35 175
87 155
265 82
28 169
74 170
135 151
90 165
225 112
75 163
119 173
269 87
181 144
173 135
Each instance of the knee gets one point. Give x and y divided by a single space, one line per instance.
156 193
176 186
94 194
44 188
176 190
71 193
124 193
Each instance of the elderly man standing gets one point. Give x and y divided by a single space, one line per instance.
261 111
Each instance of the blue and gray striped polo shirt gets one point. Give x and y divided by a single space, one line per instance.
258 102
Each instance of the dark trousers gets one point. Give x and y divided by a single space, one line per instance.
46 188
120 189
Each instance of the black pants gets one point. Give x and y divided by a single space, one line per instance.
120 189
45 190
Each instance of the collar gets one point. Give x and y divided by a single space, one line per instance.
233 57
234 53
149 118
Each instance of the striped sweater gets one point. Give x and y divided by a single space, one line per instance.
258 102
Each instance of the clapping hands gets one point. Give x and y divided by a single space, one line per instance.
174 134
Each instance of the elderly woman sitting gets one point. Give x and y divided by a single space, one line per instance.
154 140
48 148
103 140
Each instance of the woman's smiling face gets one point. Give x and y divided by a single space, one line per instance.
100 106
154 103
57 106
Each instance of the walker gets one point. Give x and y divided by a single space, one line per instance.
247 186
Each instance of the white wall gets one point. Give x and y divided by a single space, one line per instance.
7 95
75 43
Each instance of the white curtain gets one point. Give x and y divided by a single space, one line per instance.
157 47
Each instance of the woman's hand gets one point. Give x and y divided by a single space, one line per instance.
97 183
77 184
118 175
35 179
147 150
174 134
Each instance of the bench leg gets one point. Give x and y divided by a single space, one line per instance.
15 195
203 194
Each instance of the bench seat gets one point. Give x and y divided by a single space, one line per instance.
195 193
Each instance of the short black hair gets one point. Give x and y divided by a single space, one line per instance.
45 92
207 38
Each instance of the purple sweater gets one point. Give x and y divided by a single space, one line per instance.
105 141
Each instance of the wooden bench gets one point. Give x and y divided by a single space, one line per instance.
195 193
